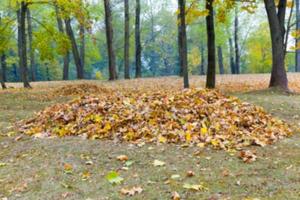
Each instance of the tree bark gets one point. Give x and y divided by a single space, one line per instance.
109 39
127 40
232 65
67 56
202 65
179 44
76 55
276 22
82 46
2 71
23 44
211 48
220 60
31 50
183 43
138 47
297 57
236 43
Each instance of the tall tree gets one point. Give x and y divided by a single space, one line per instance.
67 55
297 58
138 46
236 42
31 50
76 55
179 43
211 46
22 43
127 40
2 71
202 65
276 18
231 55
109 39
220 60
183 43
82 45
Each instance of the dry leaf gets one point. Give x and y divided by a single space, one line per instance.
122 158
132 191
175 196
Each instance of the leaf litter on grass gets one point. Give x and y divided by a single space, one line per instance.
193 116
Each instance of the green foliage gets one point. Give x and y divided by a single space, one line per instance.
259 56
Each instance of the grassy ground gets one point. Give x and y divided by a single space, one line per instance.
34 168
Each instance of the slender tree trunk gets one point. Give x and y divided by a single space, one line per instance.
297 57
31 50
66 66
232 65
2 71
138 47
23 44
127 41
276 22
76 55
82 46
202 65
47 73
67 56
211 48
109 39
183 40
236 42
220 60
179 44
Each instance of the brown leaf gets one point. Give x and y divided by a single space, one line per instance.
132 191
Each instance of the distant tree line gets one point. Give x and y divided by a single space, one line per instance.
71 38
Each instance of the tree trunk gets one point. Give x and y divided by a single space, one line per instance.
220 60
236 43
82 46
2 71
31 50
211 48
179 44
76 55
127 41
183 43
138 47
297 57
23 44
67 56
276 22
109 39
232 65
202 65
66 66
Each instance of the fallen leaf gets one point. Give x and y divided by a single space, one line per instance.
175 196
132 191
122 158
114 178
198 187
158 163
248 156
190 174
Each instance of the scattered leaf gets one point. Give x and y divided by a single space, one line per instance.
114 178
132 191
158 163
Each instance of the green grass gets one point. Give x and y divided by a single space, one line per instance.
34 167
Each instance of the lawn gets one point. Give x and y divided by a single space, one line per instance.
32 168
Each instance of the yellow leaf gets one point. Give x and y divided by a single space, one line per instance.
188 136
162 139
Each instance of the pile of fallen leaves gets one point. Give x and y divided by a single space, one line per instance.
80 89
194 116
